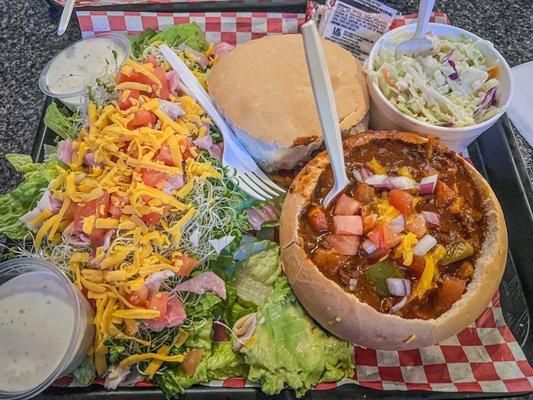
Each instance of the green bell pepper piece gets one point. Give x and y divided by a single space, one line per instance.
378 273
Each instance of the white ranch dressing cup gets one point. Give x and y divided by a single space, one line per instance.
71 70
45 326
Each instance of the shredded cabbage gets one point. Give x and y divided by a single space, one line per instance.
451 86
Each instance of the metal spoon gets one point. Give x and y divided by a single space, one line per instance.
327 110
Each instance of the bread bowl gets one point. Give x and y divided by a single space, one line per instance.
340 310
263 89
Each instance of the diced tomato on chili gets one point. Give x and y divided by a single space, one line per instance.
402 201
348 224
444 195
142 118
384 237
346 205
318 218
345 245
416 224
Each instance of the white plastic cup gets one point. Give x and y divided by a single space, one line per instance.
72 98
384 116
82 333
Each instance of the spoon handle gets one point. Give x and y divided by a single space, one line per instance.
425 8
325 103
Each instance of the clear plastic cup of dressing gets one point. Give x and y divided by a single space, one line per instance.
45 326
71 70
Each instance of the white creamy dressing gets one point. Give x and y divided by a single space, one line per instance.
36 323
80 64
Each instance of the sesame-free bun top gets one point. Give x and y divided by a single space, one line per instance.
263 87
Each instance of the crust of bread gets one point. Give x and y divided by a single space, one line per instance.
264 91
342 313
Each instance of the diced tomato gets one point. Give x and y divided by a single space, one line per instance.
151 60
142 118
153 178
402 201
158 301
345 205
450 291
127 103
318 218
99 208
191 361
365 193
116 204
151 219
416 223
444 194
188 264
384 237
417 266
343 244
369 222
173 315
164 155
187 153
348 224
134 77
164 91
138 297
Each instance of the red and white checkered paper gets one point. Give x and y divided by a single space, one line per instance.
485 357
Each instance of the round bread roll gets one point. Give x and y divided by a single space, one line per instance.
342 313
263 89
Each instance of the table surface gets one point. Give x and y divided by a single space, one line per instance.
29 41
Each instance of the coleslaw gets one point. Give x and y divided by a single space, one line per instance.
455 85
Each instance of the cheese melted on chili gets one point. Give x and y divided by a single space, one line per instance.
438 278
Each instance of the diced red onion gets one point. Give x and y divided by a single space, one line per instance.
64 151
74 238
428 184
432 218
369 246
447 56
89 160
489 99
379 253
361 174
205 142
222 48
353 284
454 75
399 286
107 239
400 182
398 306
398 224
378 181
424 245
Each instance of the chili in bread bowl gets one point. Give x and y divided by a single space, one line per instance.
407 256
264 91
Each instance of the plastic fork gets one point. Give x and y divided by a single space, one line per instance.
241 166
326 107
418 42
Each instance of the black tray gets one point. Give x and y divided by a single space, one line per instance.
495 155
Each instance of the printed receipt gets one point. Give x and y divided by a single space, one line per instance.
355 24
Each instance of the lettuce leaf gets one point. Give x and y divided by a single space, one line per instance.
23 198
59 120
86 372
190 34
288 349
225 363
